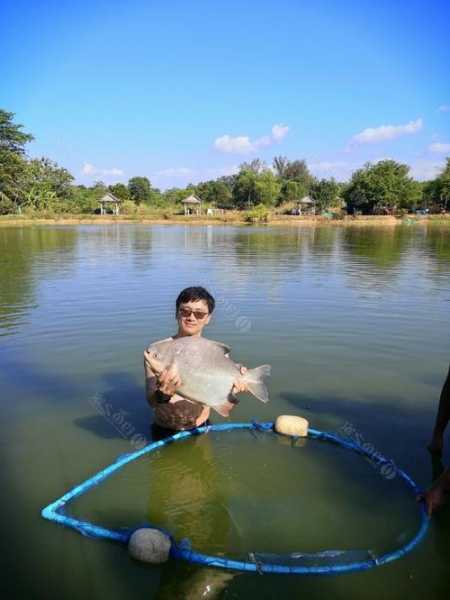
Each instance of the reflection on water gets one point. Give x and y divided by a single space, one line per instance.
355 324
384 248
26 256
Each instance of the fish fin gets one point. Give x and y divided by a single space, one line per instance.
226 349
224 409
254 378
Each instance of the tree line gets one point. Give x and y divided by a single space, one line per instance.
39 184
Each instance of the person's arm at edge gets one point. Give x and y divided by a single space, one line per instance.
442 418
436 496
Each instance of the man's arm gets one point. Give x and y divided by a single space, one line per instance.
160 390
437 494
173 411
442 418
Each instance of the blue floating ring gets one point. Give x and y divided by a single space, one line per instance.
56 510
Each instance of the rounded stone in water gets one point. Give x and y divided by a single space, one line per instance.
149 545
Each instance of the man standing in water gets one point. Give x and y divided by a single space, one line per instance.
172 412
194 307
437 494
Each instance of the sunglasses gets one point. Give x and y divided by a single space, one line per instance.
187 312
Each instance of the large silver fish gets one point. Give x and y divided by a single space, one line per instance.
206 371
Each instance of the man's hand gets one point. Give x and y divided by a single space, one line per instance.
169 381
434 498
240 386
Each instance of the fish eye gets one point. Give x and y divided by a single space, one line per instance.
155 354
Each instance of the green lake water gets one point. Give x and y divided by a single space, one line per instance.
355 323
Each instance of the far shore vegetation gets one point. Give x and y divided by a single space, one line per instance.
39 189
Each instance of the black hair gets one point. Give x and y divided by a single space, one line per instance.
191 294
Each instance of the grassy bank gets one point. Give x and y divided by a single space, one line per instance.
232 217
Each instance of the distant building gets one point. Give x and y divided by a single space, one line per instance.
191 204
110 201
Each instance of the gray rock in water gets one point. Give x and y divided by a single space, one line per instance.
149 545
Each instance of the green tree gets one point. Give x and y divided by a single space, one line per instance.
223 197
156 198
83 199
139 189
256 166
120 190
174 196
384 185
253 188
12 138
215 192
444 185
325 193
291 191
437 191
228 180
267 188
12 174
296 179
12 162
297 170
244 191
44 185
280 164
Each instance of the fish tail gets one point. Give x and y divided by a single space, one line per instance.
254 378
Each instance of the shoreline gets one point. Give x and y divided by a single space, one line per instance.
369 220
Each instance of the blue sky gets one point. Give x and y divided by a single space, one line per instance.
186 91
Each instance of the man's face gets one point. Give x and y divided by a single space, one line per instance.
192 317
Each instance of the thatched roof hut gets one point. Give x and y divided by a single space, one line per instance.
307 203
112 201
192 203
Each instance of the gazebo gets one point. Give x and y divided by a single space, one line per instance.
307 202
112 201
192 203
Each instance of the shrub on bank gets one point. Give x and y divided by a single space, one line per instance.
259 214
128 208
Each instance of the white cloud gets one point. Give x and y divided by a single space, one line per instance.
440 148
444 108
238 145
242 144
175 172
91 170
279 132
387 132
88 169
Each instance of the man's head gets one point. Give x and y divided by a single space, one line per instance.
194 308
